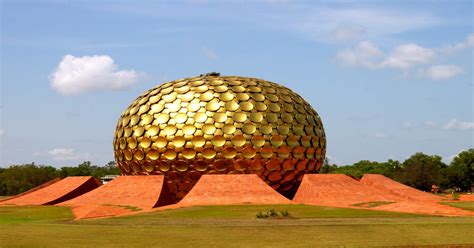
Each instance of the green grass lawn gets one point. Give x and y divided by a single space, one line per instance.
463 205
230 226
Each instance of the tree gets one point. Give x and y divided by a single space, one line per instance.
460 173
421 171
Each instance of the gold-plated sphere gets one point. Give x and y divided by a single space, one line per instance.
215 124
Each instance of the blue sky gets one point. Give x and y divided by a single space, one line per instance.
388 80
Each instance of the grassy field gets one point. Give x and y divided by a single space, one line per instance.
230 226
463 205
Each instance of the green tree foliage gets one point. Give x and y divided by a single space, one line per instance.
422 171
20 178
460 173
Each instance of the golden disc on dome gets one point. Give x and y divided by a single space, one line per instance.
266 152
260 106
132 142
160 142
162 118
198 141
228 129
220 117
271 117
231 106
248 152
276 140
189 153
153 154
258 97
209 153
134 120
156 108
240 117
146 119
193 107
200 165
238 88
138 131
243 96
206 96
170 154
220 88
201 88
208 128
238 140
212 106
229 152
182 89
181 165
246 106
170 130
241 164
274 107
139 155
187 97
266 129
200 117
249 128
153 131
180 118
256 117
145 142
169 97
226 96
179 141
293 140
125 121
189 129
143 109
258 141
218 141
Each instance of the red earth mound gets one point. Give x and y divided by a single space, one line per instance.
338 190
121 195
232 189
385 184
54 192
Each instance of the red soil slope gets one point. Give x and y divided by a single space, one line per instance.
232 189
334 189
338 190
385 184
121 195
56 192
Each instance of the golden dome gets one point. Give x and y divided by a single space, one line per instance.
214 124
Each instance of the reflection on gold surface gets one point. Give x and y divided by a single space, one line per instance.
220 124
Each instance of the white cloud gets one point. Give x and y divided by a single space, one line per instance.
442 72
368 55
344 24
380 135
365 54
429 124
63 154
406 56
455 124
408 124
467 43
76 75
1 132
209 53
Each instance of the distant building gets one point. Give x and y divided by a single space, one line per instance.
108 178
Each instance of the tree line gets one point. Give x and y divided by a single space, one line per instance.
420 171
20 178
